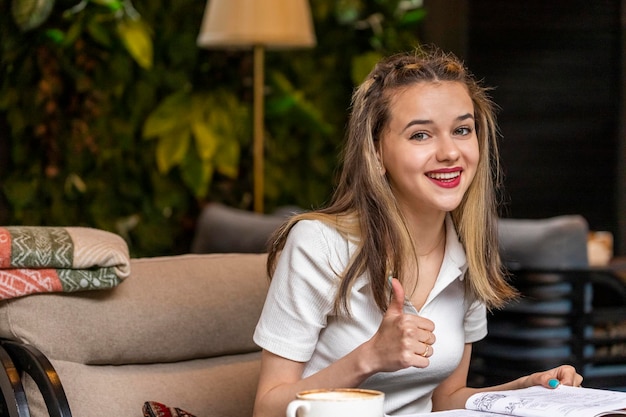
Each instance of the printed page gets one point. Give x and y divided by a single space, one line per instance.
452 413
564 401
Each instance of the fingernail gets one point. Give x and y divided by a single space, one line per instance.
553 383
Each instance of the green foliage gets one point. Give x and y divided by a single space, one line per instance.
112 117
308 106
75 93
196 132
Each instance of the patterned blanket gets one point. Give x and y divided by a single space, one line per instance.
156 409
37 259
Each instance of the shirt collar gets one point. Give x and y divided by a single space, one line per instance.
455 253
453 266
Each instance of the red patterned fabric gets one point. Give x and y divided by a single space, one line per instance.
39 259
155 409
18 282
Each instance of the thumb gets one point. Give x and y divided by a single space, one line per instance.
396 304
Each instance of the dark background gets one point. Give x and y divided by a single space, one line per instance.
556 69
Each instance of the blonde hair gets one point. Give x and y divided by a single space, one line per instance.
364 206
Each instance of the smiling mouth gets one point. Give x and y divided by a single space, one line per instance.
444 176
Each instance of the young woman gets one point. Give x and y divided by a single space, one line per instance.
387 287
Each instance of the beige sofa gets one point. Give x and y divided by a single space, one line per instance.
177 331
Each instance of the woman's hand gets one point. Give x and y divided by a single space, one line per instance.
402 340
552 378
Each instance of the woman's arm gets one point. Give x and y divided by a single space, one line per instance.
453 392
280 380
397 344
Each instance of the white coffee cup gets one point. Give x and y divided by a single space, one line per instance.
340 402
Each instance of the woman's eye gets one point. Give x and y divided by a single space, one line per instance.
463 131
419 136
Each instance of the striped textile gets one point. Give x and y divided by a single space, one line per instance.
36 259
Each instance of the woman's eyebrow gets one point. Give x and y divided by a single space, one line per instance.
465 117
429 122
417 122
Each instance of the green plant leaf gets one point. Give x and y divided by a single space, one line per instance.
362 65
56 35
10 97
348 11
114 5
290 99
20 193
413 16
73 33
172 148
171 114
136 36
197 174
29 14
205 138
227 158
99 33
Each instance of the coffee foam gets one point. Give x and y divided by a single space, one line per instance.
338 395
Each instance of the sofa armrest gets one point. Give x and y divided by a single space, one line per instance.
169 309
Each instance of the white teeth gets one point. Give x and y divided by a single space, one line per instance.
443 175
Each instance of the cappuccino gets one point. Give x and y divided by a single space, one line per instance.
341 402
338 394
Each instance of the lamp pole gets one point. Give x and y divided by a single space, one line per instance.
259 129
259 24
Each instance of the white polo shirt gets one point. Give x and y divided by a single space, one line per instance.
298 322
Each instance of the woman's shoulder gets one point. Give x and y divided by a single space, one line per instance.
314 229
345 225
318 234
327 235
315 242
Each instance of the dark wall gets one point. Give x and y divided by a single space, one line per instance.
556 66
5 153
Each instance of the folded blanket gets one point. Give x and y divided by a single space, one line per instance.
37 259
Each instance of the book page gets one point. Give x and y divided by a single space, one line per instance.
452 413
564 401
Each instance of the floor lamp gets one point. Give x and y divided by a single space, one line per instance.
257 24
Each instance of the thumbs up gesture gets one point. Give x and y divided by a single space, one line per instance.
402 340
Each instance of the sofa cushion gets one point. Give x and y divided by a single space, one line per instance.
558 242
169 309
216 387
224 229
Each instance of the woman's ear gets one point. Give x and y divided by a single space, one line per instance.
379 162
380 166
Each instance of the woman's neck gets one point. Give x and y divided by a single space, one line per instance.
428 231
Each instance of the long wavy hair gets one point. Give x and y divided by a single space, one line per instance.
364 208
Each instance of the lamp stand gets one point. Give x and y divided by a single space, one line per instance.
258 158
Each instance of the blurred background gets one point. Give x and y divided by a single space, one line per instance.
112 116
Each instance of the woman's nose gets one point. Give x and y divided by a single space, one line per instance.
447 149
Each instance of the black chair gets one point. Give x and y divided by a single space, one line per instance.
576 317
14 402
18 359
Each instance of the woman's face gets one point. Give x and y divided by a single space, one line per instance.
429 150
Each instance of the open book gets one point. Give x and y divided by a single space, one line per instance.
564 401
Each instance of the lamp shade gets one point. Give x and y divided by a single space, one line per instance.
246 23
